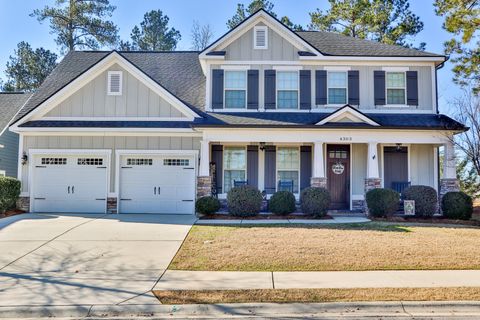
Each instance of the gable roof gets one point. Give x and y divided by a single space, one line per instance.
10 104
178 72
347 111
336 44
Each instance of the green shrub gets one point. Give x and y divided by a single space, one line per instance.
315 201
207 205
382 202
9 193
426 200
282 202
244 201
457 205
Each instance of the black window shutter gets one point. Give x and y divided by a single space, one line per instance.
252 166
354 87
305 89
305 166
252 91
379 87
270 169
270 89
320 87
217 89
412 88
217 158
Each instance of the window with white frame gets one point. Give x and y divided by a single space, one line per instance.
234 166
260 37
287 89
396 88
235 89
114 83
288 166
337 87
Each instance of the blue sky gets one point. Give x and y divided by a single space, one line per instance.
17 25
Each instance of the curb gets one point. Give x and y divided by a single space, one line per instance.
327 310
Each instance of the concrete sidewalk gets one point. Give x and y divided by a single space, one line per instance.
225 280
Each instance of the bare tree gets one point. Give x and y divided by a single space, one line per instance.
201 36
468 112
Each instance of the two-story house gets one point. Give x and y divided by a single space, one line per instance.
149 132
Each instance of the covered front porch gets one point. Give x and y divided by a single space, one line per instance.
346 162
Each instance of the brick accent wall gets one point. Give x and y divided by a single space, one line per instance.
23 203
112 205
204 186
318 182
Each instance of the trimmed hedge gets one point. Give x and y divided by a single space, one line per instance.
244 201
315 201
207 205
426 200
282 202
382 202
457 205
9 193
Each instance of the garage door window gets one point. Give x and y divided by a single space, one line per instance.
176 162
90 161
235 164
54 161
139 162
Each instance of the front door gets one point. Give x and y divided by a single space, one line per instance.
338 168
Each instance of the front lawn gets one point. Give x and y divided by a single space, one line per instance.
369 246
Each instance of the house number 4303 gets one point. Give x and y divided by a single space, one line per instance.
345 138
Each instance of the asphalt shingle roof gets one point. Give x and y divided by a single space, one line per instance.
10 103
335 44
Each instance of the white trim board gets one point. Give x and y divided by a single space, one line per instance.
350 113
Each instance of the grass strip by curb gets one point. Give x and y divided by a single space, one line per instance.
317 295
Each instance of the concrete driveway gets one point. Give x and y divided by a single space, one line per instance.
51 259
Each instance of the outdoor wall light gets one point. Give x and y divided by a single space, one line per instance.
24 159
262 146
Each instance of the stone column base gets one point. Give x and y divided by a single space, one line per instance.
318 182
112 205
358 205
204 186
370 184
448 185
23 203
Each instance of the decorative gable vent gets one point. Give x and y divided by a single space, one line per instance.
260 37
115 83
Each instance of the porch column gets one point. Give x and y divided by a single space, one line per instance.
204 180
449 180
318 179
373 180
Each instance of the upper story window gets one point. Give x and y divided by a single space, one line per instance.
396 88
260 37
235 89
337 87
114 84
234 166
287 89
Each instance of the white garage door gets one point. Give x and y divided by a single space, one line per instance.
157 184
70 183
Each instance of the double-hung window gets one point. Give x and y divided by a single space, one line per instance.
235 89
396 88
288 166
234 166
337 87
287 89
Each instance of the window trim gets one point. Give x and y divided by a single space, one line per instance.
109 91
277 170
405 105
224 166
225 88
328 87
255 46
297 71
3 173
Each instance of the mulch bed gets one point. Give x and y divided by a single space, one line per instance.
12 212
220 216
435 220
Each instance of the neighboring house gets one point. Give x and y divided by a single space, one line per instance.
149 132
10 104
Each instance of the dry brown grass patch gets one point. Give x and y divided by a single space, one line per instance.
317 295
372 246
